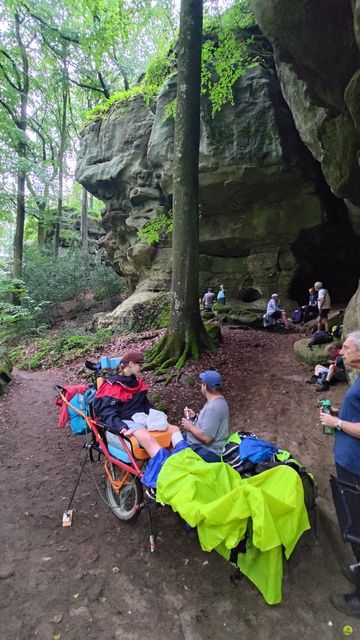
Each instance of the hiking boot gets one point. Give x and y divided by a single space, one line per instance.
349 572
348 603
313 380
322 386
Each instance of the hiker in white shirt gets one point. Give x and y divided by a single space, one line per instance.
324 304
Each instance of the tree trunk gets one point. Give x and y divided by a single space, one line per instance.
187 336
20 214
63 135
21 153
84 223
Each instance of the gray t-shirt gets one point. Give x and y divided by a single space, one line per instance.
214 420
209 299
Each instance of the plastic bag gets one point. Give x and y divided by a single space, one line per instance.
154 421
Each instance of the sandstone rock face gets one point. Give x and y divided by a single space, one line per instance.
316 57
269 221
316 47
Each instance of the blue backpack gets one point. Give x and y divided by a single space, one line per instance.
83 402
297 315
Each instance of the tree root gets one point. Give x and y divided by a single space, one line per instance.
174 349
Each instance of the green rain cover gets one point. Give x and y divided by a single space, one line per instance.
223 506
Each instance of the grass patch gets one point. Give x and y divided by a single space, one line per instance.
58 350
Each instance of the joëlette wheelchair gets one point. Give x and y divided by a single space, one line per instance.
123 461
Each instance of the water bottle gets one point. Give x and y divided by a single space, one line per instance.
326 407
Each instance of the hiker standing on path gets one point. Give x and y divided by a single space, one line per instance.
324 304
347 461
209 299
221 296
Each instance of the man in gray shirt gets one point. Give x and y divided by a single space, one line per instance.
208 431
209 299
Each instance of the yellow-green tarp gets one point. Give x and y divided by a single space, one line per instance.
215 499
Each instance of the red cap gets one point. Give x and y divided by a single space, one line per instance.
132 356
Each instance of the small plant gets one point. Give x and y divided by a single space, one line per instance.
159 227
61 349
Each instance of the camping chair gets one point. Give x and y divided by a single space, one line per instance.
346 498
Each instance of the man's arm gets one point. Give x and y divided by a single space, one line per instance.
352 428
321 301
196 431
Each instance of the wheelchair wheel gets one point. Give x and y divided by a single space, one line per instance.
124 503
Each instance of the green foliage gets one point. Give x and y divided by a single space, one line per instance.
118 99
46 285
227 53
61 349
156 72
157 228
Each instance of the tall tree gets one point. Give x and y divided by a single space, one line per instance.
187 336
84 222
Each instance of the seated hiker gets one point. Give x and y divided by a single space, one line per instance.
310 310
123 395
335 372
209 299
274 313
206 432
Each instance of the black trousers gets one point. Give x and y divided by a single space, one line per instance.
347 476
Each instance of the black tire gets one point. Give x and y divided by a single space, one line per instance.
125 503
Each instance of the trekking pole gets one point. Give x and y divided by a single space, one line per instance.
68 514
152 533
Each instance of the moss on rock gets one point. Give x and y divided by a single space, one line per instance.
313 356
5 370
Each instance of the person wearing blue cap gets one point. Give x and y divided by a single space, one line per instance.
208 431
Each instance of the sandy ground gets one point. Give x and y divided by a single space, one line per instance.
97 578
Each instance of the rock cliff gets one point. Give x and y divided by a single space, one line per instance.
278 209
316 48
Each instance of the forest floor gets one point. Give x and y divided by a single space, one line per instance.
97 578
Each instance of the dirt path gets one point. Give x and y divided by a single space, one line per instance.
97 579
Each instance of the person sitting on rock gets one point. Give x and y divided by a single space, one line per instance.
310 310
335 372
207 432
324 304
124 394
275 313
209 299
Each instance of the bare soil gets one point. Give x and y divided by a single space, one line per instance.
97 578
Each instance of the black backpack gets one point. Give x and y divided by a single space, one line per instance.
320 337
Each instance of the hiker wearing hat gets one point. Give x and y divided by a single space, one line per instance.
206 433
123 395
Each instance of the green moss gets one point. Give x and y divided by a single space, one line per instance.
119 100
64 348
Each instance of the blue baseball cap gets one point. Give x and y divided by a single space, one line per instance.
211 378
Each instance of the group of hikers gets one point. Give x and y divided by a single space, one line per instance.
121 402
318 306
209 297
